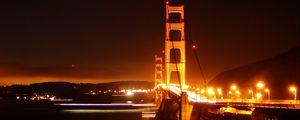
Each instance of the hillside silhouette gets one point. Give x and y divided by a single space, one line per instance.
76 91
278 73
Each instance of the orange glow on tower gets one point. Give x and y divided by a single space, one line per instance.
177 45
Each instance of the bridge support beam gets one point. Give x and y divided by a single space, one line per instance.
186 108
167 110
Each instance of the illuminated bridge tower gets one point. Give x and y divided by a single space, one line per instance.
158 77
158 70
175 43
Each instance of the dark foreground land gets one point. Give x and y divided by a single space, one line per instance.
33 102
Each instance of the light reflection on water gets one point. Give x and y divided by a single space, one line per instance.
64 109
100 111
146 112
140 111
105 105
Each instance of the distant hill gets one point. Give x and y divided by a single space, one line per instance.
89 86
66 88
278 73
79 92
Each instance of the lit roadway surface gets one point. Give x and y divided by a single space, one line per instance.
196 97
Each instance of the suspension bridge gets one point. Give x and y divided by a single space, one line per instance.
178 100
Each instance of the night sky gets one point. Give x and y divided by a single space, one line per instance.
111 40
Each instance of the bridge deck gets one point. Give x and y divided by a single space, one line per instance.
193 97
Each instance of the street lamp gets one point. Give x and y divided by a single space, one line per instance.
220 92
230 94
233 87
250 91
202 91
260 85
294 89
258 95
210 92
268 91
238 93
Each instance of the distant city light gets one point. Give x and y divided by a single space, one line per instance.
129 93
